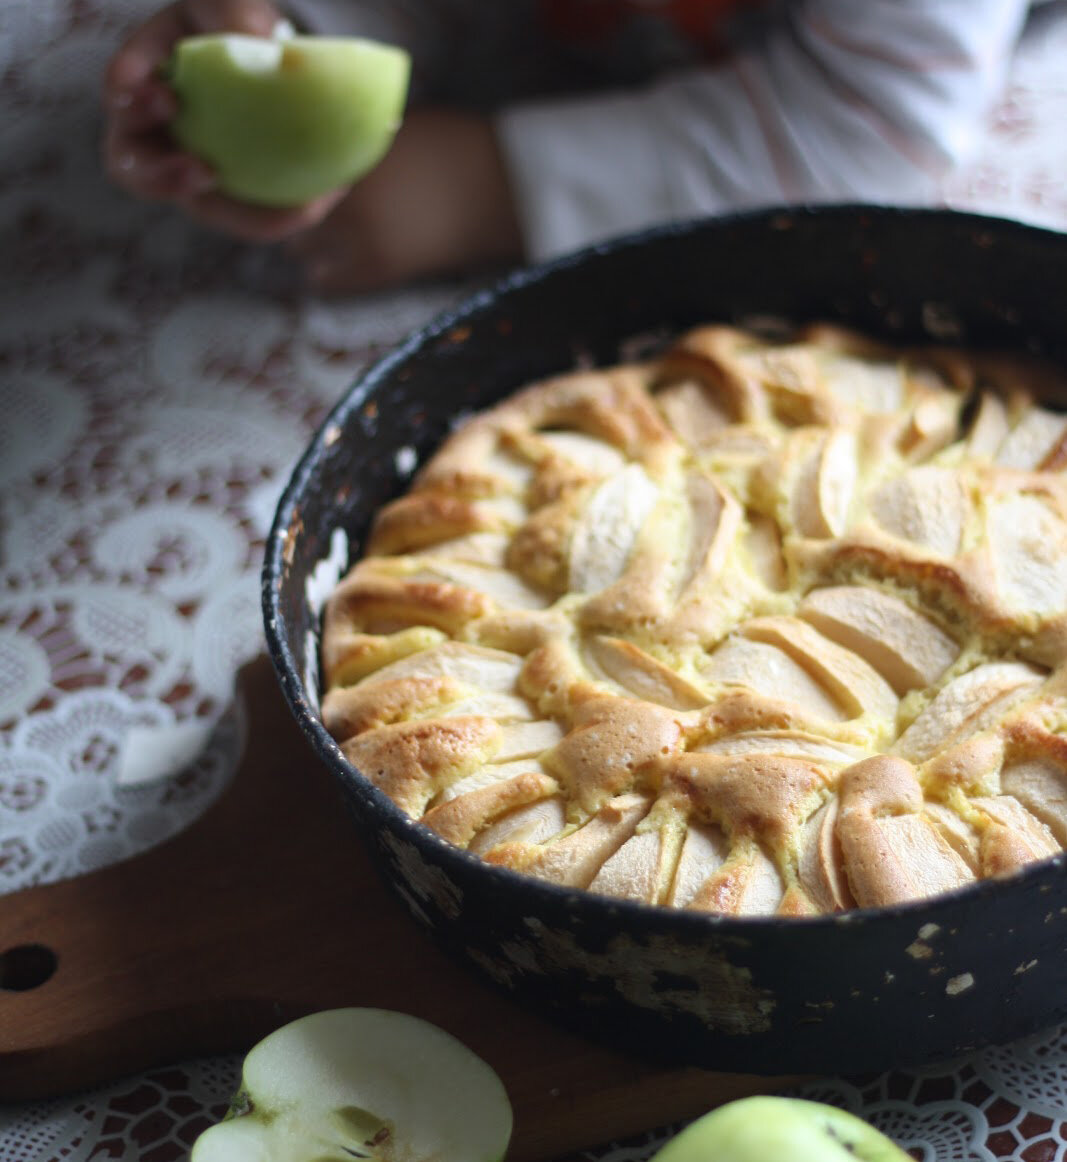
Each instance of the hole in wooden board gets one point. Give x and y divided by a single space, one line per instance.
26 966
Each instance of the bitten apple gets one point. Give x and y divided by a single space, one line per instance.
285 119
759 1129
362 1083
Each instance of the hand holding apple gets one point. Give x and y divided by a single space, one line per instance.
362 1083
764 1128
286 119
438 202
140 153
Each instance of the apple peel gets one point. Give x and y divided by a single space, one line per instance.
362 1083
285 119
761 1128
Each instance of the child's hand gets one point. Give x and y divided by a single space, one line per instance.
139 154
439 203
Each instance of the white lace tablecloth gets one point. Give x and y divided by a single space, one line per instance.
156 385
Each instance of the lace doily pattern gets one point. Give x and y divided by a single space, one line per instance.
157 384
991 1107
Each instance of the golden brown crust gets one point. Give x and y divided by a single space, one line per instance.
610 747
351 710
754 626
459 820
412 761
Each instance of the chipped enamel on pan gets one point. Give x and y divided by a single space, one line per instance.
859 990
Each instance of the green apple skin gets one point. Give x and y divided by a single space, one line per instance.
779 1129
362 1083
321 118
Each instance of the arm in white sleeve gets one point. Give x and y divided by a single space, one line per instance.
839 100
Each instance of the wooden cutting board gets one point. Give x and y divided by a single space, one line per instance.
267 908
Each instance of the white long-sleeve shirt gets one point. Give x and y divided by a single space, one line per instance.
814 101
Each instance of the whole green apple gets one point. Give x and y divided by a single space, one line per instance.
779 1129
362 1083
285 119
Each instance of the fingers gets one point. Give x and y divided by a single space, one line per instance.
140 56
148 166
139 154
143 107
256 223
147 48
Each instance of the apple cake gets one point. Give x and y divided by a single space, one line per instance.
753 625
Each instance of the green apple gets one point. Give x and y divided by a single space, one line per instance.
286 118
779 1129
362 1083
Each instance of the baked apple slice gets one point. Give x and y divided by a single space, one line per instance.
362 1083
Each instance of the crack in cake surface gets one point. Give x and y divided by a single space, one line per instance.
749 627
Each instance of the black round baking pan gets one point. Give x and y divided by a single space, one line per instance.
857 991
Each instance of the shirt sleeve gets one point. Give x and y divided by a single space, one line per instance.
834 101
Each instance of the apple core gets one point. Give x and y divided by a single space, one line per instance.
362 1083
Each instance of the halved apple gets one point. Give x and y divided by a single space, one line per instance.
362 1083
287 118
762 1128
